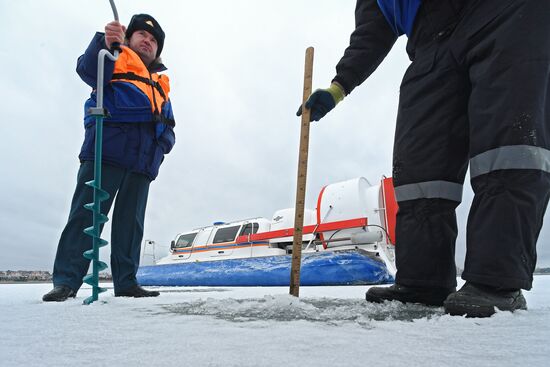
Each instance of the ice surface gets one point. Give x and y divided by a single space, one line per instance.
200 326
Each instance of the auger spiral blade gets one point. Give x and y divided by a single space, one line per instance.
98 220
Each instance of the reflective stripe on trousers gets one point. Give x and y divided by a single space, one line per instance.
507 157
510 157
429 190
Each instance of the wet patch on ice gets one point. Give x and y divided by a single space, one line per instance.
287 308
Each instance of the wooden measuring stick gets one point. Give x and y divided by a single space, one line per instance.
302 174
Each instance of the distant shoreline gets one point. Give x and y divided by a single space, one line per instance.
44 277
24 281
35 276
107 280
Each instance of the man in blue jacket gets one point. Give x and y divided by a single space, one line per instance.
137 134
477 93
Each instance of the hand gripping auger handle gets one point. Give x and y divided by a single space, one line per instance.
99 195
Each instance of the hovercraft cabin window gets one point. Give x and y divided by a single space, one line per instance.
226 234
185 240
249 228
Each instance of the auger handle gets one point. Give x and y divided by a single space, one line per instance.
115 46
113 7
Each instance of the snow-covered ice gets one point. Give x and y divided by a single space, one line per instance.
201 326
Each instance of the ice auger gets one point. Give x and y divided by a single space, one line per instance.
99 195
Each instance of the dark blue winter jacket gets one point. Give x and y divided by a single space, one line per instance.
134 137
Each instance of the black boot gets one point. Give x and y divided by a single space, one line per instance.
137 292
59 293
405 294
477 300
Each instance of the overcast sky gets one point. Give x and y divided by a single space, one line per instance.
236 70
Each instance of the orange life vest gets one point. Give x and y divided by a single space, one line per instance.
130 68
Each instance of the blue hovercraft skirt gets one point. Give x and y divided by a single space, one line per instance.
317 269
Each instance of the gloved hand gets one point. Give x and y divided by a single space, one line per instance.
322 101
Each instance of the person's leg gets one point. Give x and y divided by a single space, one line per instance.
509 111
70 266
127 230
430 160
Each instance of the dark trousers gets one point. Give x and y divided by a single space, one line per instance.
477 93
129 192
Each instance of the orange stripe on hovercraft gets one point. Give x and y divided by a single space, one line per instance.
231 246
289 232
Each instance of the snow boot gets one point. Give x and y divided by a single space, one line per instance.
477 300
59 293
406 294
137 292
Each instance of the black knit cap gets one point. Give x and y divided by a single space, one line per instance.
145 22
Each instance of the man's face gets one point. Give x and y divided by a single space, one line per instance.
145 45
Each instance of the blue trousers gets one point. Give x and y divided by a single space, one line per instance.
129 191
